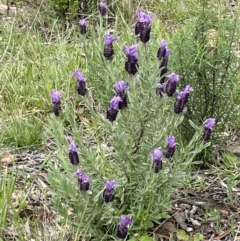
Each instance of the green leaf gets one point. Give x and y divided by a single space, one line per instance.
132 238
193 125
181 234
149 224
145 238
198 237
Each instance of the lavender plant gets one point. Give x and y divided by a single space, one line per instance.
131 168
83 26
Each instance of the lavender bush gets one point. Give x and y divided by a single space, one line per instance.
127 164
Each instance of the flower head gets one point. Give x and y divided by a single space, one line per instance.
110 185
171 141
83 180
172 84
103 8
173 77
163 52
83 22
131 51
210 123
56 96
122 229
156 154
121 86
170 149
108 193
115 102
83 26
108 38
78 74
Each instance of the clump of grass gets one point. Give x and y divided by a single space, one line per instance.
22 132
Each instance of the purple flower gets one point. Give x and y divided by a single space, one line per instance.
170 149
81 86
56 100
110 185
180 102
187 90
108 38
83 180
81 175
113 108
83 22
156 154
210 123
73 154
168 52
160 89
83 26
108 194
173 77
171 141
140 15
56 96
208 128
122 229
78 74
121 86
163 43
172 84
144 17
157 160
115 102
162 55
103 8
143 25
131 51
131 65
108 47
163 52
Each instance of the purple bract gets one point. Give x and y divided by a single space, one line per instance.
78 74
114 103
144 17
210 123
56 96
110 185
73 147
173 77
171 141
83 22
121 86
108 38
188 89
156 154
125 221
131 51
